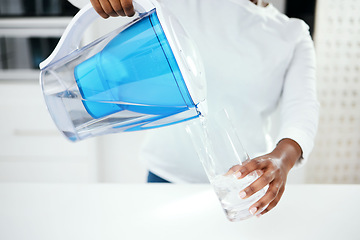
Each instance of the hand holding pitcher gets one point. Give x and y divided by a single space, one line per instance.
113 8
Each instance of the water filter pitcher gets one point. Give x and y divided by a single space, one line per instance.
145 74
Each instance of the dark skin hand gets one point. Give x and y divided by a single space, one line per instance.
273 169
114 8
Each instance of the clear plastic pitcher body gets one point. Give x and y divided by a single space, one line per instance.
127 80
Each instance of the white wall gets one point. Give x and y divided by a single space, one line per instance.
336 156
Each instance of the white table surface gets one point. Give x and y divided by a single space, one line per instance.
169 211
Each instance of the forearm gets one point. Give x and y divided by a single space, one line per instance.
299 104
288 152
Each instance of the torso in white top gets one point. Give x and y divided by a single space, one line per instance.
254 57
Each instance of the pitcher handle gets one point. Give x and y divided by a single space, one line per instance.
71 38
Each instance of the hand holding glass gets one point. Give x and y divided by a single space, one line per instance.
221 153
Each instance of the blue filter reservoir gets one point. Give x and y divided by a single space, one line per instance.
136 71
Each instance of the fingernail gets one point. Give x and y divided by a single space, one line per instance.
237 174
242 194
253 210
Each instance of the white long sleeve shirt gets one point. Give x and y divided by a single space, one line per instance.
256 60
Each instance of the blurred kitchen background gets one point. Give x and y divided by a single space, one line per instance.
33 150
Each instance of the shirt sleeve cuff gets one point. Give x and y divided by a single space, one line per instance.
300 137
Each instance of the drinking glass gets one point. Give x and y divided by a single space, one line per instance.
221 153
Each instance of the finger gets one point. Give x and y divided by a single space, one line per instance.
275 202
252 165
98 8
232 170
116 6
106 6
263 202
259 172
128 7
265 179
